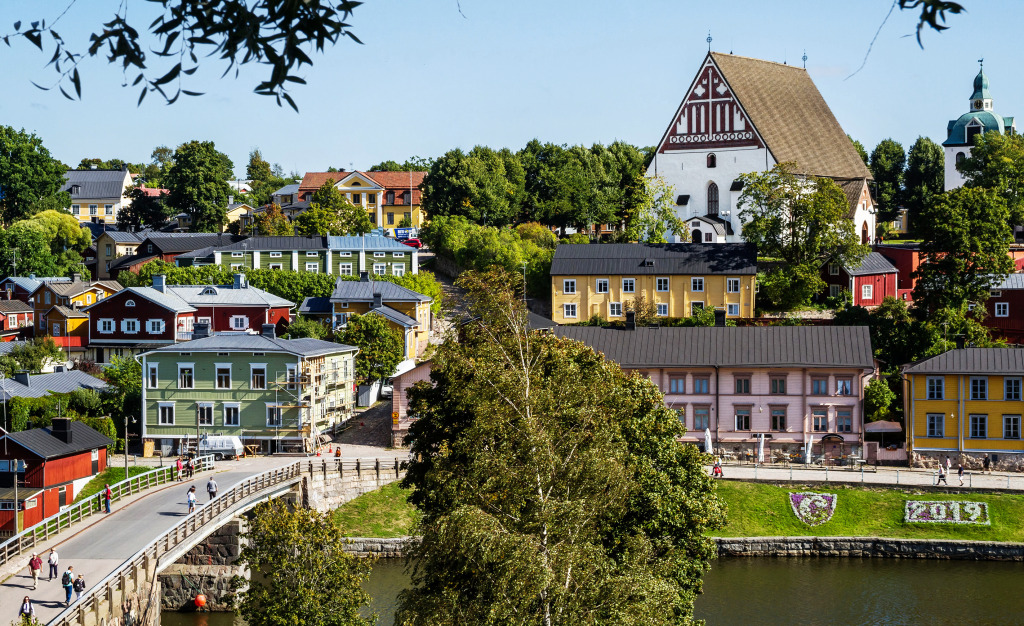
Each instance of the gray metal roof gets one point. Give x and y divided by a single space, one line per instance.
124 236
873 263
202 295
316 304
287 190
363 291
654 259
169 301
256 343
278 243
95 184
1012 281
40 385
30 284
365 242
77 287
395 316
972 361
187 242
67 312
42 441
539 322
131 259
201 253
753 346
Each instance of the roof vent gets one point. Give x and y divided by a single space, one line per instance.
268 331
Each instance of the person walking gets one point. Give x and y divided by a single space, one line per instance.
211 488
53 560
960 473
35 567
79 587
942 475
68 581
949 465
179 465
108 495
191 496
27 611
986 464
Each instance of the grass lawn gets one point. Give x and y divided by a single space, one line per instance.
111 475
383 513
760 510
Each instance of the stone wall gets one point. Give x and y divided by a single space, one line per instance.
870 547
376 547
138 605
181 583
220 548
972 461
326 485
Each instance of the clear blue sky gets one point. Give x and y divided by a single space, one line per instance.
428 79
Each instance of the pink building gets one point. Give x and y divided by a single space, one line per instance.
788 384
400 418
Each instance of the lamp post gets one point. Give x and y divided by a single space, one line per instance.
133 421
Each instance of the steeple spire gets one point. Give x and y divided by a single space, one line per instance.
981 99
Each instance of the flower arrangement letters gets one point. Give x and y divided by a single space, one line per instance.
813 508
947 512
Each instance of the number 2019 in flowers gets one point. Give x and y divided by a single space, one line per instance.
947 512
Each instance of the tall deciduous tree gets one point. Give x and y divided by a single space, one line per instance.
143 211
552 485
924 177
997 163
197 185
27 173
123 395
888 160
483 185
654 215
381 348
859 147
49 243
272 222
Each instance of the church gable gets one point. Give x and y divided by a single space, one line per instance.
710 117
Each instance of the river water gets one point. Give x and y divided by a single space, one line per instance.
799 591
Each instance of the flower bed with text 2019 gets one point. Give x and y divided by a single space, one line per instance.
947 512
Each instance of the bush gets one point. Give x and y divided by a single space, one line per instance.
304 327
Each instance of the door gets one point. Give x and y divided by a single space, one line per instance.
96 461
697 236
62 497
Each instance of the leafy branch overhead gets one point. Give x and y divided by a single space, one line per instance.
277 33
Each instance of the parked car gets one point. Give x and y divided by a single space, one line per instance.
415 243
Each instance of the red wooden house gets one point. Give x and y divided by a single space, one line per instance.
869 283
51 462
1005 309
906 257
16 320
137 319
237 307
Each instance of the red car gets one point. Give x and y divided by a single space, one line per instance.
415 243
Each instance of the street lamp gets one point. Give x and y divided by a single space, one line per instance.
133 421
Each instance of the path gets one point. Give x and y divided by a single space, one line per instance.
901 476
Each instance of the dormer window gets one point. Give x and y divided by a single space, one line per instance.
130 303
209 291
712 160
76 189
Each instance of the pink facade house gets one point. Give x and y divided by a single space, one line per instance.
400 418
787 384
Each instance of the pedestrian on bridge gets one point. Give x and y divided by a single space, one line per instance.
108 495
68 581
53 560
211 488
27 611
35 566
179 465
79 587
191 495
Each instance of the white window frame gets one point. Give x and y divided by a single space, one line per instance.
275 255
12 321
833 269
628 285
661 284
236 266
187 366
569 310
614 309
160 413
155 326
398 269
732 309
291 373
237 406
601 282
274 266
204 320
216 375
867 292
244 319
662 309
379 255
345 254
199 411
697 284
126 302
237 255
105 325
279 415
344 269
398 255
569 286
732 285
312 253
1002 309
130 326
380 269
257 366
153 375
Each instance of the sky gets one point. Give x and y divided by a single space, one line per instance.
433 75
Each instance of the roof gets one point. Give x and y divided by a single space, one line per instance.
873 263
154 192
789 113
30 284
318 242
883 426
747 346
14 306
1011 281
287 190
203 295
129 260
972 361
654 258
391 181
170 243
124 236
96 183
167 301
981 87
57 382
316 305
257 343
538 322
42 441
364 291
395 316
854 190
365 242
77 287
67 312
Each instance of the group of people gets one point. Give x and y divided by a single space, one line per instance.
190 495
186 467
68 580
946 468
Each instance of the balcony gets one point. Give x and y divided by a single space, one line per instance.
183 336
69 342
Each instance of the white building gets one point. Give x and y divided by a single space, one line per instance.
960 132
743 115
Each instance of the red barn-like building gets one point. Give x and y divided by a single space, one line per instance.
50 461
1005 309
869 283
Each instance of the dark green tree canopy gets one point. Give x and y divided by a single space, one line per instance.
197 185
888 160
143 211
997 163
27 173
381 348
924 178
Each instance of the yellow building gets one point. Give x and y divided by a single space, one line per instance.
965 404
76 294
97 195
69 328
388 197
604 280
113 244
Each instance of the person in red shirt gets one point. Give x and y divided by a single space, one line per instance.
35 566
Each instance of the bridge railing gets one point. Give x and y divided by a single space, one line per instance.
147 558
40 533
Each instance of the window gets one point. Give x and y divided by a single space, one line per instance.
12 321
186 376
391 219
778 418
155 327
701 384
995 293
701 418
88 298
935 424
92 209
204 414
696 308
398 255
743 419
1011 427
661 284
569 310
313 253
398 269
696 284
844 386
389 197
357 198
979 426
628 285
732 285
677 384
1002 309
820 420
1011 388
742 384
108 249
835 290
127 302
130 326
979 388
237 255
844 421
379 255
866 291
569 286
231 415
313 268
935 387
166 414
662 309
108 209
380 268
712 160
291 377
833 269
819 386
777 385
732 309
151 375
345 269
258 376
602 285
223 376
275 255
712 199
274 266
614 309
371 198
106 326
56 329
273 415
74 209
239 322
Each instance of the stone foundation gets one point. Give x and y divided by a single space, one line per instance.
972 461
870 547
181 583
376 547
220 548
326 485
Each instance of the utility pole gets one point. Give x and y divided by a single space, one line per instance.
17 508
133 420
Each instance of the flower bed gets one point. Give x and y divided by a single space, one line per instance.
946 512
813 509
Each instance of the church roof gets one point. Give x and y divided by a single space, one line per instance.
987 120
791 116
981 87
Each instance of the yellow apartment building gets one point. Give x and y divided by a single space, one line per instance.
604 279
97 195
388 197
965 404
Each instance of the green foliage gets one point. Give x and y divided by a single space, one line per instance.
413 164
143 211
381 348
27 413
30 356
304 574
859 147
550 482
576 238
384 512
997 163
331 213
924 178
654 214
197 185
123 397
110 476
406 222
888 161
538 234
49 243
423 282
304 327
272 222
878 400
27 173
484 186
787 287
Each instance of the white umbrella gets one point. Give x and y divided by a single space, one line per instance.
760 448
707 441
807 450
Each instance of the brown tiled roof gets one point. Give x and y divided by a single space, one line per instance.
854 189
314 180
75 288
792 117
391 181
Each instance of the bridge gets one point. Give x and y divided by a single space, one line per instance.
122 555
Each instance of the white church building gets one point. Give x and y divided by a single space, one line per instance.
743 115
980 119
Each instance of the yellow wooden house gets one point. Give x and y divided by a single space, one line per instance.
76 294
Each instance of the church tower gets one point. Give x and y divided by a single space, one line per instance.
980 119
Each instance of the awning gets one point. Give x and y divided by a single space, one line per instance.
883 427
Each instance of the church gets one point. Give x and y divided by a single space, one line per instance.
743 115
980 119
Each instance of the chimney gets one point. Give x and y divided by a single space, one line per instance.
240 282
364 277
268 331
961 342
231 200
32 276
378 300
21 377
160 282
720 317
630 320
200 330
61 429
76 278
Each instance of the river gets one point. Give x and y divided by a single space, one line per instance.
812 591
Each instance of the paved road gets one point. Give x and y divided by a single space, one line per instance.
884 476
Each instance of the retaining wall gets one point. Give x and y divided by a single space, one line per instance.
870 547
376 547
326 485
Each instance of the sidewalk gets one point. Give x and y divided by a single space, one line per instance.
901 476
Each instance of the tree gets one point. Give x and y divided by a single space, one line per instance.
123 395
887 164
859 147
552 486
263 182
30 356
878 400
381 347
966 243
143 211
412 164
924 178
50 243
654 215
27 173
272 222
258 170
331 213
997 163
197 185
305 575
304 327
484 185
